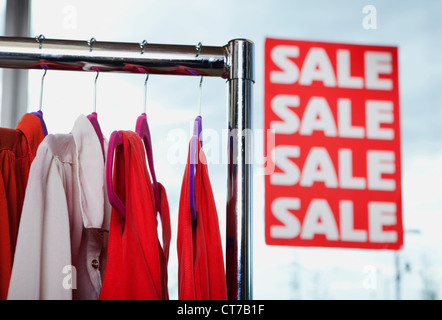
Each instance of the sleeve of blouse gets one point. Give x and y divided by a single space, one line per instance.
42 261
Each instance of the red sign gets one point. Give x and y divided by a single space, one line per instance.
333 111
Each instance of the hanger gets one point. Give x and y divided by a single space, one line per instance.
115 140
93 117
39 113
142 128
197 129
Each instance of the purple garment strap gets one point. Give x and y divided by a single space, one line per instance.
197 128
39 114
193 72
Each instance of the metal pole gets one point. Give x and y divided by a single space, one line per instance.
239 177
397 263
75 55
398 275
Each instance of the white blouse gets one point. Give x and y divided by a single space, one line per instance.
62 240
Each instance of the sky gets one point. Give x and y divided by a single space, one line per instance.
278 272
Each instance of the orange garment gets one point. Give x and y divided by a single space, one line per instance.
136 266
17 150
201 272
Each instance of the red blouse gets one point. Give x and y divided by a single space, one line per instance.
201 272
17 150
137 262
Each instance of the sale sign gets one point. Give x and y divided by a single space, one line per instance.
333 110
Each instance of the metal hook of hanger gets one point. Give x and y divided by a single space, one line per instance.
145 93
95 92
198 51
91 43
41 89
200 95
143 45
40 40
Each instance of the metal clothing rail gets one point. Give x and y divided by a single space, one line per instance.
234 62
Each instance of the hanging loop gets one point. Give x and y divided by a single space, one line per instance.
40 40
198 49
91 43
143 46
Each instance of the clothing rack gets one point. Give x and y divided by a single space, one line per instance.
233 61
